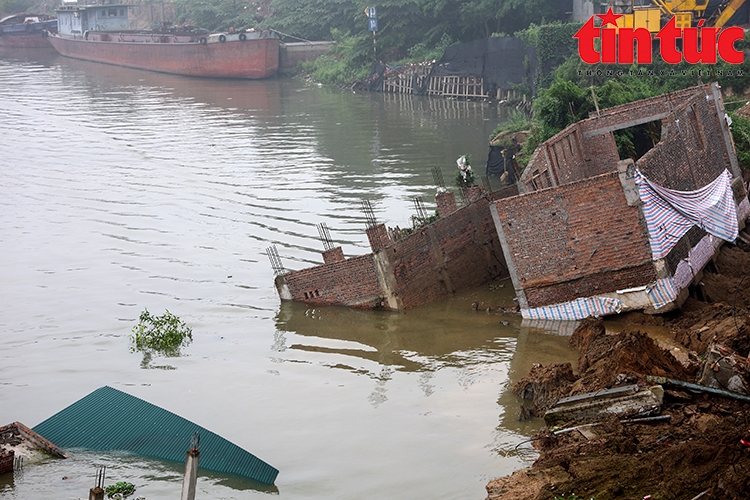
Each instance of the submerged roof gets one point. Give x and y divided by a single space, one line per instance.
109 420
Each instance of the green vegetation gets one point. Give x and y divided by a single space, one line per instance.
164 334
122 487
217 14
8 7
741 136
516 121
417 222
347 62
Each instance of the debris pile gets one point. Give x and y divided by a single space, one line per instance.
647 416
20 445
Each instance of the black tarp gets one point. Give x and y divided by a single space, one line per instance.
377 74
499 161
503 62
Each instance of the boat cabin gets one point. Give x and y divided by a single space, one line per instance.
76 19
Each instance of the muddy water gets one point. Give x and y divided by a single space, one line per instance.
123 190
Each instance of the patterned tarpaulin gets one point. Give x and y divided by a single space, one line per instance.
662 292
560 327
581 308
670 214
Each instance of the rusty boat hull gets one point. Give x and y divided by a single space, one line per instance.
246 56
26 31
25 41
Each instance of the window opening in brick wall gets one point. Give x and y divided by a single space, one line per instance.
634 142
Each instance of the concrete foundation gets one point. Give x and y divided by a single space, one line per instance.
291 54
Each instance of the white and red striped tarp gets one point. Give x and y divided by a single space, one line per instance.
670 214
580 308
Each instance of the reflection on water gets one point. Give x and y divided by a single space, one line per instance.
124 190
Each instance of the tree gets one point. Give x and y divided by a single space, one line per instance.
561 104
218 15
8 7
314 19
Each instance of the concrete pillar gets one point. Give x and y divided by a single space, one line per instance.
96 493
446 203
191 474
378 236
334 255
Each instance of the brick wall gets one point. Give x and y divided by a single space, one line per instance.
334 255
691 153
575 240
504 192
6 461
571 232
601 155
570 156
453 254
378 236
353 282
472 194
446 203
650 109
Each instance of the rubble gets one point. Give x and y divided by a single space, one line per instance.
20 444
629 400
699 444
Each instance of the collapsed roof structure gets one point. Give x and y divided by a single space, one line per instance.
590 234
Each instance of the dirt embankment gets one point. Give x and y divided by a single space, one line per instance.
699 451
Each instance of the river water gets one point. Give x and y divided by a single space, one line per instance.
124 190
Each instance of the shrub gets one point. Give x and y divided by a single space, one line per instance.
164 334
122 487
741 136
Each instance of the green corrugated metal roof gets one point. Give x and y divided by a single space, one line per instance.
109 420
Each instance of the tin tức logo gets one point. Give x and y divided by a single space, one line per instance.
626 45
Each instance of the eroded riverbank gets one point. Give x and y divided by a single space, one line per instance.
699 452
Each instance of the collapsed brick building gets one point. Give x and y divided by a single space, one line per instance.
457 252
590 235
583 233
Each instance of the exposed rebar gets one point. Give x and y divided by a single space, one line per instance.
276 265
369 214
325 236
437 176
